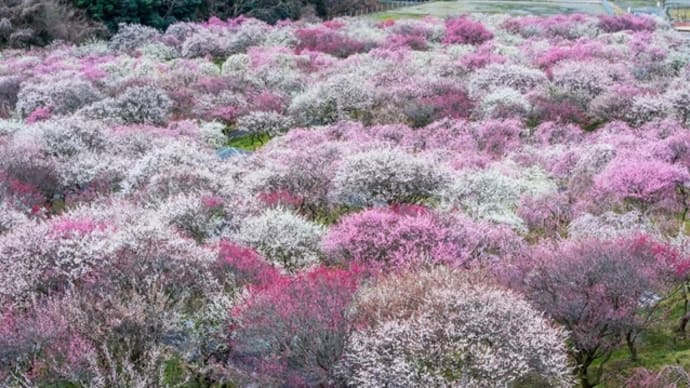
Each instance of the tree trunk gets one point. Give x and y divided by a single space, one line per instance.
584 380
583 371
683 324
630 341
686 317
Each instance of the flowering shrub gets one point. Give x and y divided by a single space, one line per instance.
339 98
30 172
10 218
143 105
9 89
223 40
679 99
502 103
580 82
301 177
132 36
571 26
554 133
495 76
548 215
609 225
270 123
70 137
493 196
247 266
200 217
172 169
498 137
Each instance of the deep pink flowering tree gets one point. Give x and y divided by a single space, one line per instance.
483 56
39 114
463 30
582 50
412 41
248 267
626 22
546 109
44 345
447 100
293 330
328 41
558 133
29 168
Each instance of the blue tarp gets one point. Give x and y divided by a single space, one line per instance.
229 152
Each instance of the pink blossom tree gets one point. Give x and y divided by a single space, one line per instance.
398 237
463 30
645 183
593 288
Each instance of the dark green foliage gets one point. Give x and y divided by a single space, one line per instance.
162 13
270 11
156 13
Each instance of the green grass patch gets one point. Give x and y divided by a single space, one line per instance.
391 15
249 142
515 7
658 346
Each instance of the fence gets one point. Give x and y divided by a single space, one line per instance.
677 10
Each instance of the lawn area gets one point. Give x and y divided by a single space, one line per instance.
658 346
449 8
249 142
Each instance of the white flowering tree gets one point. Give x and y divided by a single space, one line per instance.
384 175
343 97
451 333
62 96
283 238
494 195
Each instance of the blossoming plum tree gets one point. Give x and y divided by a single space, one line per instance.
429 328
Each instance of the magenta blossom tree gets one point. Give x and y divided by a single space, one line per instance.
463 30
